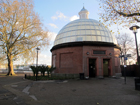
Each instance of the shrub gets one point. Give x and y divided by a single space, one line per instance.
43 69
50 70
33 69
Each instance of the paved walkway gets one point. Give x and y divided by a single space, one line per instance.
107 91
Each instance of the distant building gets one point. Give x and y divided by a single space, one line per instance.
3 66
86 46
26 66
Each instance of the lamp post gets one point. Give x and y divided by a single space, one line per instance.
134 29
37 62
37 56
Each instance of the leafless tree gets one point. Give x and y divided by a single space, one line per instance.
126 42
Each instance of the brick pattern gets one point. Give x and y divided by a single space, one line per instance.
75 60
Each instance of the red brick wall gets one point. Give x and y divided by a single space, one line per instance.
75 60
68 60
117 60
99 58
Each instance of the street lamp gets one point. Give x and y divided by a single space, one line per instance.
134 29
37 56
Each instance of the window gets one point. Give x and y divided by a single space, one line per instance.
88 32
99 38
99 52
83 32
92 27
79 39
93 38
96 27
72 39
87 27
88 38
102 32
98 32
54 60
103 39
78 32
72 33
93 32
79 27
82 27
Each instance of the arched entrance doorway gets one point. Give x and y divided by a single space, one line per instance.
106 68
92 67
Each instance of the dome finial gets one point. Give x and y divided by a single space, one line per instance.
83 13
83 6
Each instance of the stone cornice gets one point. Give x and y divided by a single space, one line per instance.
84 43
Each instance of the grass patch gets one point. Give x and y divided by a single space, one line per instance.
3 74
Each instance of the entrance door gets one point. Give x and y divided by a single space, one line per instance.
106 67
92 67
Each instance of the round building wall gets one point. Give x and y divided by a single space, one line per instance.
93 61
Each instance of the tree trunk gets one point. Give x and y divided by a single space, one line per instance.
10 66
48 73
43 73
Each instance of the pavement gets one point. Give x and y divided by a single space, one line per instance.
15 90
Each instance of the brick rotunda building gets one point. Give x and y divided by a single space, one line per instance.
86 46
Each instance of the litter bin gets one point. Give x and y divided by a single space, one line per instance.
25 76
82 76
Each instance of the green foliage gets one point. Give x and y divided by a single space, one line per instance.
42 69
50 70
33 69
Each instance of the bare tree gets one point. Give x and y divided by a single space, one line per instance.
120 11
20 30
126 42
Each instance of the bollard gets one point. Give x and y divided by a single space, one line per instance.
25 76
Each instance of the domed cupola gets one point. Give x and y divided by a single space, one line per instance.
83 13
84 30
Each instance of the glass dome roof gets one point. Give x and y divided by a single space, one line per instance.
84 30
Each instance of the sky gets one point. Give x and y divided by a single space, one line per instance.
55 14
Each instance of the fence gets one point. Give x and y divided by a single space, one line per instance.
53 76
131 70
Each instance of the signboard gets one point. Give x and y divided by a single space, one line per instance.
128 55
121 56
99 52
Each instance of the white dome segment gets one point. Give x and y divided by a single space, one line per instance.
84 29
